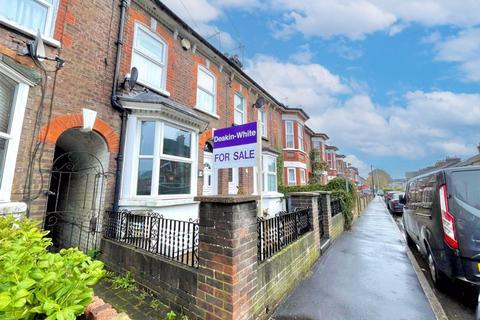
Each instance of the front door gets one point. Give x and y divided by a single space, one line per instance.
207 174
233 181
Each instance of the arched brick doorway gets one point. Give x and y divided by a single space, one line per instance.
78 180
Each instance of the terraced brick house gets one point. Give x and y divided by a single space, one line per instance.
296 147
331 155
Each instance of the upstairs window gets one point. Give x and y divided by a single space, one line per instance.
33 15
289 134
240 116
262 117
300 137
148 56
206 91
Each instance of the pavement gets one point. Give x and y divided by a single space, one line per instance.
365 274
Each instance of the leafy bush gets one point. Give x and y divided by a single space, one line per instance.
38 284
338 187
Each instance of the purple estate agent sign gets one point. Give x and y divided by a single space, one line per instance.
235 147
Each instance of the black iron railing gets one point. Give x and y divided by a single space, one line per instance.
335 206
276 233
173 239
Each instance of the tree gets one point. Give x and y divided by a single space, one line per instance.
381 178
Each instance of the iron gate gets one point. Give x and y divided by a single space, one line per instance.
321 216
75 200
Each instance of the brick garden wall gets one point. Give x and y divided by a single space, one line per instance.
338 223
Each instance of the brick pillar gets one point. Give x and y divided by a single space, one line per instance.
227 256
327 212
308 200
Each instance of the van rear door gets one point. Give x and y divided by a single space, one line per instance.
463 187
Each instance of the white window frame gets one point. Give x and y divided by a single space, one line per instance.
52 9
19 103
303 177
262 118
163 64
294 181
287 134
266 173
301 145
205 90
244 112
158 155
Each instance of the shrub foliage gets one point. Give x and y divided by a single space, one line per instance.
38 284
338 188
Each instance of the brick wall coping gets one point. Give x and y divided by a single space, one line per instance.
309 193
227 199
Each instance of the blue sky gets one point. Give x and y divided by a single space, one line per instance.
393 83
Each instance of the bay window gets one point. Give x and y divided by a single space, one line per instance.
291 177
32 15
289 134
164 159
300 137
303 178
240 112
149 57
206 90
269 173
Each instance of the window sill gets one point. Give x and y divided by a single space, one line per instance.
265 138
48 40
157 202
272 195
15 208
213 115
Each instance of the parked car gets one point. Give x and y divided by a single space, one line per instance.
395 204
388 196
442 219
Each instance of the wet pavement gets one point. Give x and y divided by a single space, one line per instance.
366 274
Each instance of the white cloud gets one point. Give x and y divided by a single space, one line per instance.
345 50
362 167
309 85
355 19
302 56
463 48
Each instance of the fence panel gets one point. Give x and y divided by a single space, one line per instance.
336 206
276 233
174 239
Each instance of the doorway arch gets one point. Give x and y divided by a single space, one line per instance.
75 197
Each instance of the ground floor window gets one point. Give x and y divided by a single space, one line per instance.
13 99
303 178
291 177
164 159
269 173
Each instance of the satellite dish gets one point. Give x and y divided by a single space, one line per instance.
259 103
132 81
37 49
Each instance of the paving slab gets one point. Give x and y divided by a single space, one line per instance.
365 274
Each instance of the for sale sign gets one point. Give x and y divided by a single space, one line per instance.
235 146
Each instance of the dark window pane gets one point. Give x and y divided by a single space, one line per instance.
466 187
147 139
174 177
176 142
144 181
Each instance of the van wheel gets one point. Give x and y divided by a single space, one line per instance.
437 276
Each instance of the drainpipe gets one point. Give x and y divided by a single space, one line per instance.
117 105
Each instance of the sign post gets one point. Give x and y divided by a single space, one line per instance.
239 147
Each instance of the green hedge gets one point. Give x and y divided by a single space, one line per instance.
338 188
